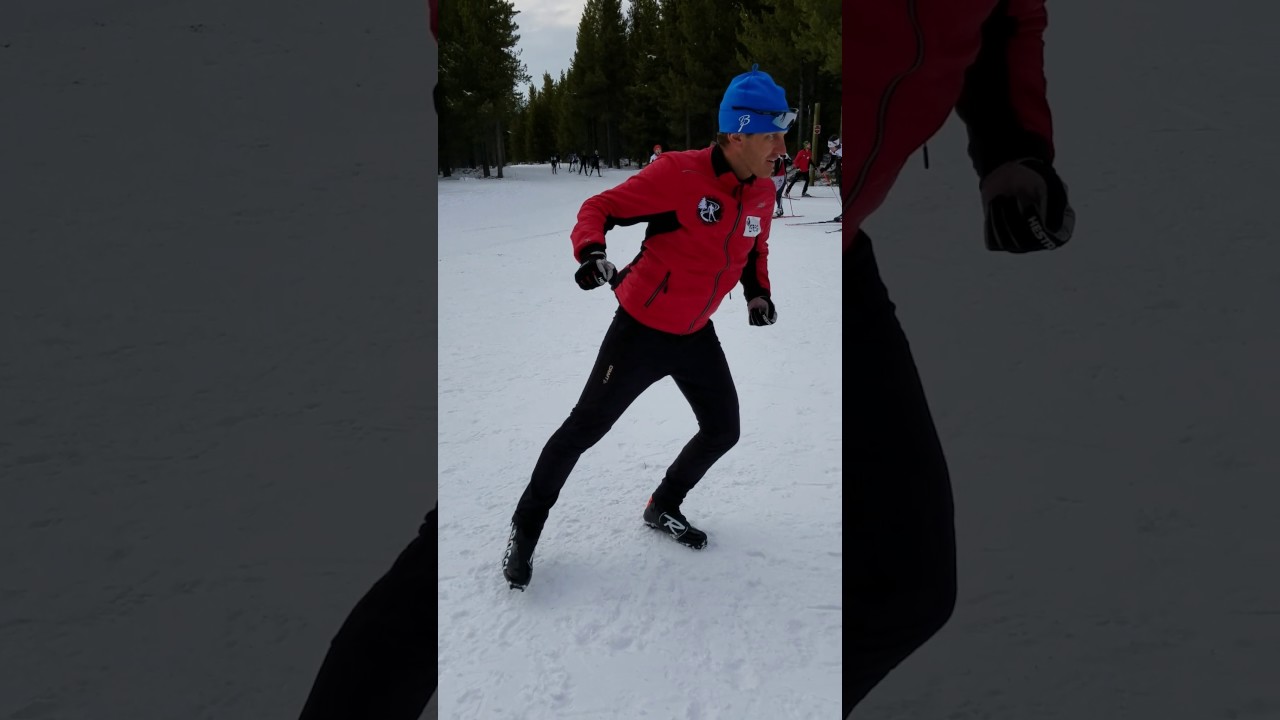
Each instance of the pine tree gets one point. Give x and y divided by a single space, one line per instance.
781 35
543 120
480 70
645 121
655 76
599 77
702 43
822 19
617 73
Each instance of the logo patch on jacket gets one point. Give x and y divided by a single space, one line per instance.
709 210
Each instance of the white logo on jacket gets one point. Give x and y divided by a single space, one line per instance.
709 210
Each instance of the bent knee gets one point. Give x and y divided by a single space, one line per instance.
723 436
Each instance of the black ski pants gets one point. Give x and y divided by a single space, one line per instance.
903 531
382 662
633 357
799 175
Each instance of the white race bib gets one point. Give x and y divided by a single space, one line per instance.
753 226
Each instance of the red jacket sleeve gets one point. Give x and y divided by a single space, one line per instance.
1005 104
637 199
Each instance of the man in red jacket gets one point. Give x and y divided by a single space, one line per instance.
915 62
708 213
801 172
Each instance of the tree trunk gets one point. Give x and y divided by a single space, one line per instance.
442 143
612 160
813 166
501 157
802 117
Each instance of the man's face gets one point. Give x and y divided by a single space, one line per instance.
760 150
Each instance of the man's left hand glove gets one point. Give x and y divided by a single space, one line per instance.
1026 208
760 311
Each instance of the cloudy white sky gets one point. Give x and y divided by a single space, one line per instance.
548 31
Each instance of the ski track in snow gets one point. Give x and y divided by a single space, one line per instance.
619 621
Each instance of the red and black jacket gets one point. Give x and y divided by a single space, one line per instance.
909 63
802 160
707 231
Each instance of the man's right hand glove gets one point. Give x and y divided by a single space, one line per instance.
594 271
1025 207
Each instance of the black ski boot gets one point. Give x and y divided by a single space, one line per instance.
517 563
674 524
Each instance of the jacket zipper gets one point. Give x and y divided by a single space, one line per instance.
662 287
884 106
737 192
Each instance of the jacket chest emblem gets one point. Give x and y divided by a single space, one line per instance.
709 210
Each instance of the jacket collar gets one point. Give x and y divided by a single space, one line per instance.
724 172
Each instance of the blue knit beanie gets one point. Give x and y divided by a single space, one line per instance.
747 94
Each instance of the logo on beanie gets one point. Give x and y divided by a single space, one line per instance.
709 210
743 121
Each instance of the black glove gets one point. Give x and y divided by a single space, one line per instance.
1026 208
594 271
760 311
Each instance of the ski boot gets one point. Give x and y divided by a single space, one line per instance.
517 563
674 524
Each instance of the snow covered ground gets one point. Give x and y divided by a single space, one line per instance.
619 622
1110 411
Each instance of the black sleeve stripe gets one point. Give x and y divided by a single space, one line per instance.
663 222
750 281
986 106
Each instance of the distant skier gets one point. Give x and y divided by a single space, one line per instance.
830 165
657 150
555 162
779 178
595 164
705 233
834 167
801 172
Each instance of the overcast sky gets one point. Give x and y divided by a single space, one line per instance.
548 31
